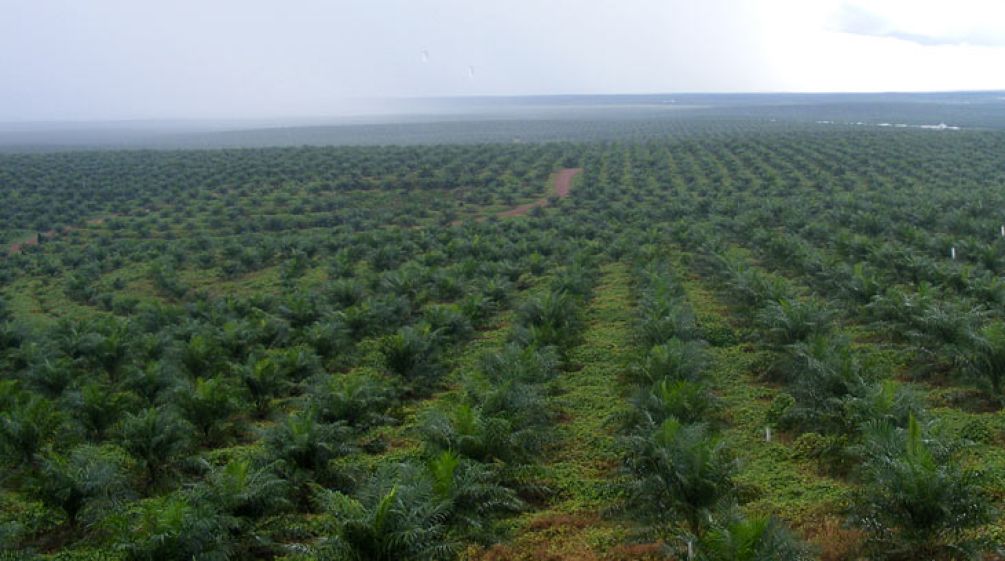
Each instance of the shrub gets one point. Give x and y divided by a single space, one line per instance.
819 447
781 404
977 431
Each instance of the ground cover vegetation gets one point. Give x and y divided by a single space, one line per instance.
745 344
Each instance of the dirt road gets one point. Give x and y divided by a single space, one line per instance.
563 184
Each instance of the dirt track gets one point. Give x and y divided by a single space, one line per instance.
563 184
16 247
563 180
34 238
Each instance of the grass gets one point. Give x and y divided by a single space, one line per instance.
780 484
42 300
403 437
580 467
772 480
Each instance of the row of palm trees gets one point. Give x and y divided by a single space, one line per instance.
916 496
50 191
950 328
479 450
677 472
125 428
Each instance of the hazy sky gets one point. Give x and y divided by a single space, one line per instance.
133 59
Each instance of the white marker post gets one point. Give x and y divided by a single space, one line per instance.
1003 231
767 433
952 253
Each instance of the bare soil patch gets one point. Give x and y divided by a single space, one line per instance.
17 246
34 238
563 185
563 180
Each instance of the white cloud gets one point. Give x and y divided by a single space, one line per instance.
925 22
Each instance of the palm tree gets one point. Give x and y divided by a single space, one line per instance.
464 429
306 445
242 489
984 357
471 489
359 399
157 437
786 322
918 501
673 360
206 404
174 527
25 427
52 375
862 284
822 374
449 321
677 472
688 402
412 353
98 407
754 539
386 521
331 337
664 311
264 381
86 482
554 320
516 363
887 401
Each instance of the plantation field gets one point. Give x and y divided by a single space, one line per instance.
716 339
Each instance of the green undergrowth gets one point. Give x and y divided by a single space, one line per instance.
772 478
403 438
962 412
580 467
